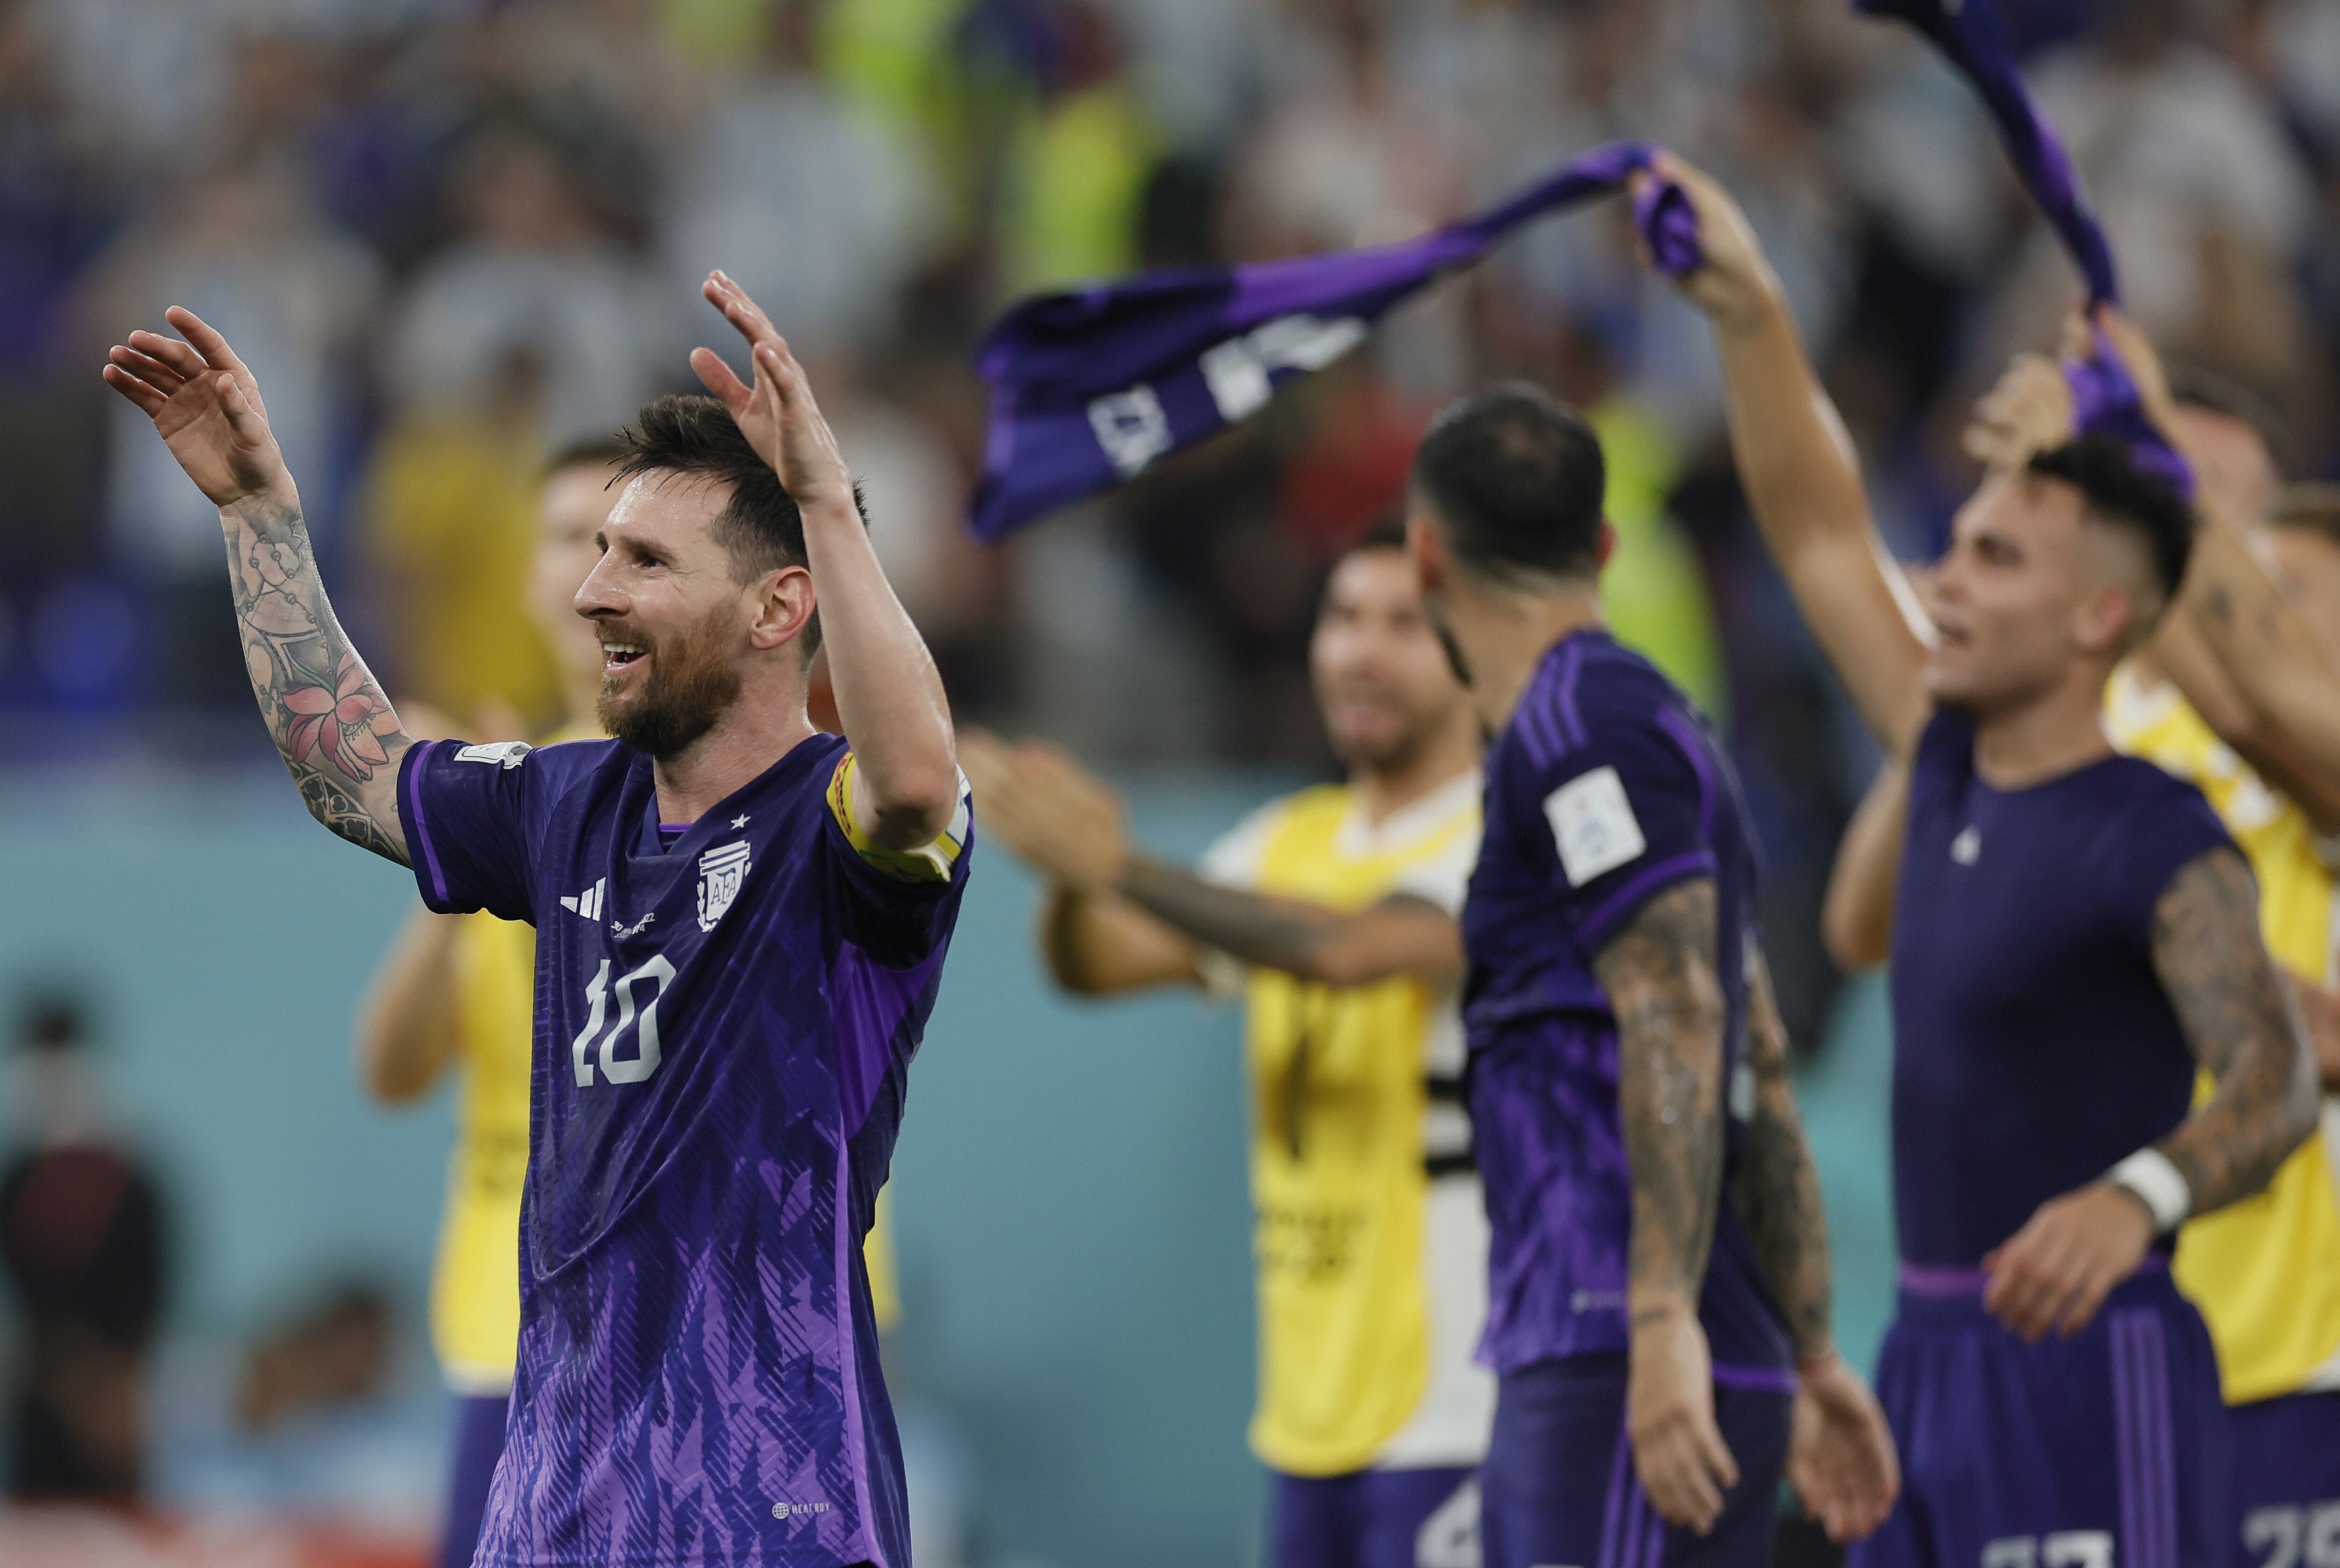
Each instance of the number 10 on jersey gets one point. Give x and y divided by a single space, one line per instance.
631 1069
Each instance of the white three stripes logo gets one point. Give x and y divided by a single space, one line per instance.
587 903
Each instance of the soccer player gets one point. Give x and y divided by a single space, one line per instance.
1371 1235
2264 1272
457 991
740 928
1659 1311
2075 932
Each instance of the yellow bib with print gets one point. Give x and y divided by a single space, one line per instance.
2264 1272
1338 1090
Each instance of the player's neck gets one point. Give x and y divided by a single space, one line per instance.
1505 634
2059 731
745 743
1384 790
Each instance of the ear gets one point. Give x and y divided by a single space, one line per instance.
782 606
1426 549
2104 620
1605 546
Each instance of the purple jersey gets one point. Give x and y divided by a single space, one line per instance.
2033 1046
723 1026
1606 788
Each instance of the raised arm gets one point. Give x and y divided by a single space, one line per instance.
1857 915
1841 1458
1659 975
889 695
332 724
2054 1273
1801 475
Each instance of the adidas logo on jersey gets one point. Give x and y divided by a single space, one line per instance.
1967 848
587 903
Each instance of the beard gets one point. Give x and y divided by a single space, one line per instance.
692 681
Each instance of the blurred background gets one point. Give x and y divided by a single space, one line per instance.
450 235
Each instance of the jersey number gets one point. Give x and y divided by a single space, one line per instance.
631 1069
2307 1537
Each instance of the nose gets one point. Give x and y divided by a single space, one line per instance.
597 598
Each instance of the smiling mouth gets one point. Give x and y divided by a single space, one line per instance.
617 655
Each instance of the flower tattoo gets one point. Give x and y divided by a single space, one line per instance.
340 722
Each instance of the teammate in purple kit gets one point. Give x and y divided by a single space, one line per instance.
1659 1312
740 925
2075 933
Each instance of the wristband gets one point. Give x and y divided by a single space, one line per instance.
2157 1184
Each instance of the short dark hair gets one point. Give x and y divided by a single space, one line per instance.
761 528
589 452
1387 532
1516 476
2309 508
2117 491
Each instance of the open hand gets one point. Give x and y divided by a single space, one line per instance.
2028 411
1733 284
1678 1449
1047 809
777 413
1840 1456
206 408
2054 1273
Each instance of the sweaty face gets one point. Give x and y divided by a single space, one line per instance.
1380 674
2004 598
569 513
670 622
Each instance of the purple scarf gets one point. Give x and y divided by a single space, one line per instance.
1091 387
2105 400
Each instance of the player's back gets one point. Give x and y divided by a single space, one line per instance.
723 1028
2034 1047
1605 789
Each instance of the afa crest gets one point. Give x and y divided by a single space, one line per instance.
723 872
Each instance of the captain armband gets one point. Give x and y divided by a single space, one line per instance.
929 862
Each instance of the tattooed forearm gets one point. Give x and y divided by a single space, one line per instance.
330 720
1401 934
1777 1189
2243 1028
1658 973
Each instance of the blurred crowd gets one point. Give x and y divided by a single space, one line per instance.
450 235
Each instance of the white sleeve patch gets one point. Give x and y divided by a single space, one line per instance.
511 753
1593 825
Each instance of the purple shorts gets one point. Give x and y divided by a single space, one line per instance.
2106 1449
2287 1479
1559 1487
1373 1519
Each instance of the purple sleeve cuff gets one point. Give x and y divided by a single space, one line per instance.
430 877
1610 915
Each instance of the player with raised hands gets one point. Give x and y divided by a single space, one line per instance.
2075 931
741 924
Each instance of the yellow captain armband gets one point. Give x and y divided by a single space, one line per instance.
930 863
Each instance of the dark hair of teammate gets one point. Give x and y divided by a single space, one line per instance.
2310 508
2116 491
1388 533
760 529
1515 477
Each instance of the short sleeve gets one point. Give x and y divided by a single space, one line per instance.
896 906
464 809
1235 861
1631 814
